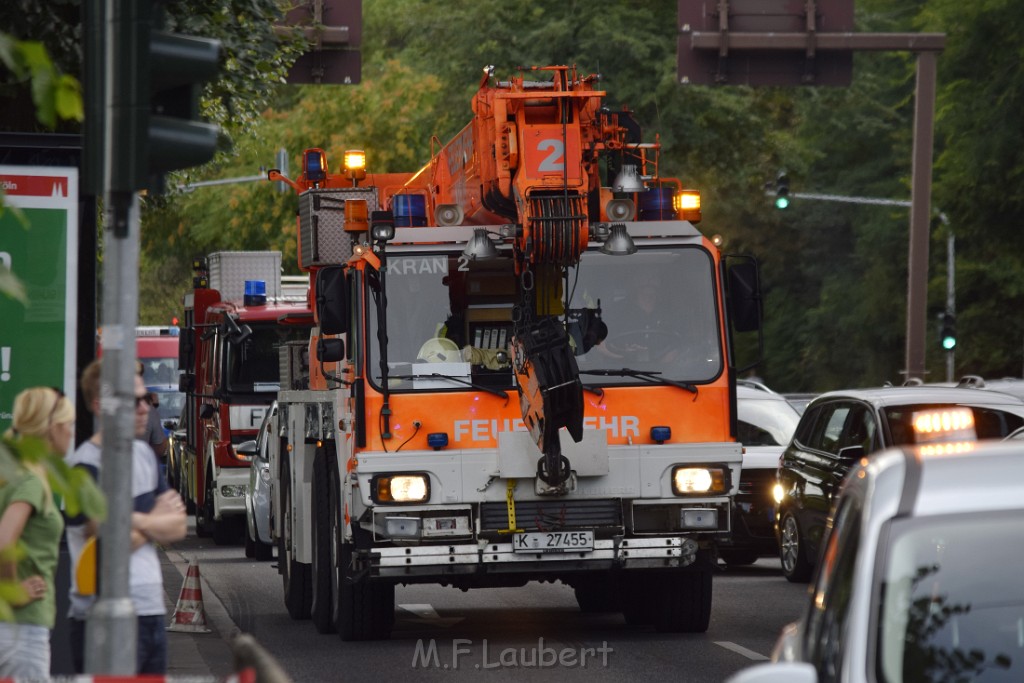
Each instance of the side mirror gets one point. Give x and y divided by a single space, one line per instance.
246 448
207 411
851 453
332 300
330 350
744 296
186 383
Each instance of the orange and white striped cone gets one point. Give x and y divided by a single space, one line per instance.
189 616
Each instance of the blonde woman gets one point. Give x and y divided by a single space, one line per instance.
31 521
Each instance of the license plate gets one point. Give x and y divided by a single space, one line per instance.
553 542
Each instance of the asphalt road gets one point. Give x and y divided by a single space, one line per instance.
532 633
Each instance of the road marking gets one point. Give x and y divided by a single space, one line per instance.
422 611
429 615
739 649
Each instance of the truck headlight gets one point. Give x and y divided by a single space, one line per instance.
689 480
400 488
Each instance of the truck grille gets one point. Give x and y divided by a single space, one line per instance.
545 515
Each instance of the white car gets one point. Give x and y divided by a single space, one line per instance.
765 424
919 577
259 543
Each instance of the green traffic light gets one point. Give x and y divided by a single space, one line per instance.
949 343
781 202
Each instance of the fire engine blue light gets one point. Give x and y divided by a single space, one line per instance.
437 440
255 292
661 434
316 165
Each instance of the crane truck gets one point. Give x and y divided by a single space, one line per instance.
236 316
521 369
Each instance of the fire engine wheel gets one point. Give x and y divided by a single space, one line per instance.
295 575
673 602
204 512
365 609
321 608
792 551
597 596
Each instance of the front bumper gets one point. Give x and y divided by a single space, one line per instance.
230 484
500 558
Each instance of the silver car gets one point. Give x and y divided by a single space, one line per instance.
259 543
919 578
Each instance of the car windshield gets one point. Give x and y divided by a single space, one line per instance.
952 602
658 305
159 371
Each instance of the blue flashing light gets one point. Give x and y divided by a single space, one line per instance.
315 165
661 434
437 440
255 292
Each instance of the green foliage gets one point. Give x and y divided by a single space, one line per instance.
834 274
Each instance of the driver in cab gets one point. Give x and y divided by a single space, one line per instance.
646 327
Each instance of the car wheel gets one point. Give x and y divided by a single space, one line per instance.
792 553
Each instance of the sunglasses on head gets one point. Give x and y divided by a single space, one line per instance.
56 404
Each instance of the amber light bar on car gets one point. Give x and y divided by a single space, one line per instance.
944 424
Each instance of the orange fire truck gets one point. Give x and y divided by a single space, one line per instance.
521 369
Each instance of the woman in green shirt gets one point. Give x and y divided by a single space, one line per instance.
31 522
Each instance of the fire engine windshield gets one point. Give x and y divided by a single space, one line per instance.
652 311
253 366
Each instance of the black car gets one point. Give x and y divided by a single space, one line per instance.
765 424
841 427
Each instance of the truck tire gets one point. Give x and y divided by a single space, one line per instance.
683 603
597 596
204 512
793 550
322 606
294 575
366 609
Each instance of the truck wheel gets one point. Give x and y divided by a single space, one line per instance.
262 551
684 602
792 551
737 558
204 512
294 575
366 609
321 609
597 596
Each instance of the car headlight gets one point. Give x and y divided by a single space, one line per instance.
689 480
778 493
400 488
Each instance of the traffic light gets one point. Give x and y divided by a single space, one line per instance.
947 331
156 114
782 190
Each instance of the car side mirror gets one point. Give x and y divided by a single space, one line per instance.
851 453
207 411
246 448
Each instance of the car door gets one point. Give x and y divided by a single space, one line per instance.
822 452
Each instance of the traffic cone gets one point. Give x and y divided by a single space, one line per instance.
189 616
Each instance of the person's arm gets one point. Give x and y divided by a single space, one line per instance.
165 523
12 525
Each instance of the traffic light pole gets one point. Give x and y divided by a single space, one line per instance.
111 629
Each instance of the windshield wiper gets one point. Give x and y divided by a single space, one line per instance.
469 383
653 376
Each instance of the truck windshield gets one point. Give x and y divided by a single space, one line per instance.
254 366
450 317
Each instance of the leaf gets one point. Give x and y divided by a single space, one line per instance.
11 286
68 98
